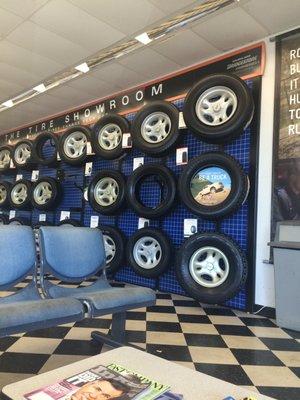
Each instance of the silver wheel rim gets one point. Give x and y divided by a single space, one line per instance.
110 136
42 193
110 248
22 153
106 191
209 267
4 158
19 193
216 105
156 127
147 252
75 144
3 194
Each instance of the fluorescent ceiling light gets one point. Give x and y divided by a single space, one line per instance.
143 38
83 67
8 103
40 88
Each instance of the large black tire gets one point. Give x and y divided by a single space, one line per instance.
6 155
167 181
19 221
73 156
112 185
107 136
38 190
4 194
114 244
45 155
23 154
195 192
3 219
69 222
237 118
230 275
41 223
20 194
156 258
147 140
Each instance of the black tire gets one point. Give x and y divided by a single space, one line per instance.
69 158
235 274
211 208
238 120
114 244
6 155
3 219
167 181
151 146
19 221
69 222
18 154
36 191
161 257
4 194
38 149
22 185
115 121
103 206
41 223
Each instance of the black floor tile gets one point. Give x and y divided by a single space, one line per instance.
136 315
194 339
186 303
163 326
93 323
162 309
165 296
22 363
6 342
170 352
296 371
256 357
135 336
58 332
230 373
258 322
293 334
194 319
280 393
281 344
77 347
236 330
218 311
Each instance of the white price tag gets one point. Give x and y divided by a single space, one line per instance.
12 214
89 149
143 223
85 193
64 215
190 227
94 221
42 218
12 165
126 141
19 177
34 175
181 122
182 155
88 169
137 162
58 157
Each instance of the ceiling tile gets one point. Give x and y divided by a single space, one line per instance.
218 30
17 75
23 8
76 25
92 86
128 16
170 6
65 92
8 89
8 22
186 48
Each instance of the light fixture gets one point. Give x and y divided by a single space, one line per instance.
8 103
40 88
143 38
83 67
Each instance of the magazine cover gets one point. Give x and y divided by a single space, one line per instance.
99 383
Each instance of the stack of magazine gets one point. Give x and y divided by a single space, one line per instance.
104 383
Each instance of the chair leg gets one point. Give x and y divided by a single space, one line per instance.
117 336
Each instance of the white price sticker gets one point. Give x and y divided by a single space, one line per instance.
64 215
34 175
126 141
94 222
190 226
19 177
181 122
89 150
143 223
12 214
88 169
137 162
11 164
42 218
182 155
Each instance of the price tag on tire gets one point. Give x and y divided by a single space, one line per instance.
190 226
137 162
19 177
64 215
126 141
94 222
12 214
35 175
42 218
88 169
143 223
182 156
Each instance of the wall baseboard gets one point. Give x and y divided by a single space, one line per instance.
268 312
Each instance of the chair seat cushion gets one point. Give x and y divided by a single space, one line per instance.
38 314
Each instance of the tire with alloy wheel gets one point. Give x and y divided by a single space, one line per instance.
155 128
211 267
106 192
23 154
19 221
3 219
218 108
69 222
45 193
148 252
107 136
114 246
213 185
6 153
19 194
4 194
45 147
138 183
72 145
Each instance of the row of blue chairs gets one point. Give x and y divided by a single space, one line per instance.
71 255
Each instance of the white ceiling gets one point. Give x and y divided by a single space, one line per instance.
39 38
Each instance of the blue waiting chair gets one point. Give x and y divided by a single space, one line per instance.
75 255
24 309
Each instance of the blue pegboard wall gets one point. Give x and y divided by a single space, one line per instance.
172 224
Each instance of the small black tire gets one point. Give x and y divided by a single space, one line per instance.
232 170
238 119
6 155
114 124
161 258
20 195
19 154
113 188
149 143
70 157
165 177
114 244
69 222
53 185
19 221
4 194
195 250
38 147
3 219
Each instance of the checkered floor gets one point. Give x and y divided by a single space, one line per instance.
244 349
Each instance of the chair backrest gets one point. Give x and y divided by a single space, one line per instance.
71 254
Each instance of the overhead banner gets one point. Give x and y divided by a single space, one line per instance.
246 63
286 173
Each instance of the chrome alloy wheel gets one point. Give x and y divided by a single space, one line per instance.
42 193
106 191
19 193
110 136
147 252
110 248
22 153
4 158
75 144
156 127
